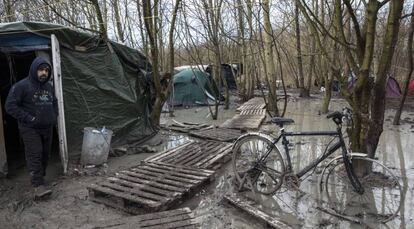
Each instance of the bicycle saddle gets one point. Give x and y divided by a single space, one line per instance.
281 121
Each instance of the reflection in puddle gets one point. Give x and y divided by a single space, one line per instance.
299 208
174 141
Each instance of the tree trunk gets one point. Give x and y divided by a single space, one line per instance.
378 105
303 92
10 14
102 28
270 65
118 22
410 69
149 21
328 93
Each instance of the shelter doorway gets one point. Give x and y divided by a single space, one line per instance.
14 67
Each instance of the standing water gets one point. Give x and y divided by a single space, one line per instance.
299 208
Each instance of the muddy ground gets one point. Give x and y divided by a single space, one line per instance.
69 206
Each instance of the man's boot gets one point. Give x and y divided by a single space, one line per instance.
42 191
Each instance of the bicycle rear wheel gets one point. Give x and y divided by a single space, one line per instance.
265 176
353 178
380 201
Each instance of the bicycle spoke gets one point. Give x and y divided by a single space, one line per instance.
380 200
248 155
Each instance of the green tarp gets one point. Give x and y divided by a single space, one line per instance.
103 84
192 86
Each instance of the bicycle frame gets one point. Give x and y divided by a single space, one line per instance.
339 144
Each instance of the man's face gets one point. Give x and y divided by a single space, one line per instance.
42 74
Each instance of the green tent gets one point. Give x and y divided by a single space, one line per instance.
103 83
192 86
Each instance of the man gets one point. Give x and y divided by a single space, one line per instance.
32 102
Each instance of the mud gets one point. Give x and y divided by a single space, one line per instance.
69 206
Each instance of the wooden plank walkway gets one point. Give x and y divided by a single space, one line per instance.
244 122
252 114
178 218
248 206
253 104
217 134
259 112
197 154
149 187
186 127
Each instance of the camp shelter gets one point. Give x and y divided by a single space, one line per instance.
97 83
227 72
191 87
392 90
411 86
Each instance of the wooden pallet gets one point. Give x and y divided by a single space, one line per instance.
253 104
244 122
178 218
248 206
186 127
217 134
253 112
149 187
197 154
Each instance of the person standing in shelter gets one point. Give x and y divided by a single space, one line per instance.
32 102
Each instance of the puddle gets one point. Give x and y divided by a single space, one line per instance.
172 141
299 208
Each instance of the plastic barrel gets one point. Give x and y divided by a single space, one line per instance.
95 146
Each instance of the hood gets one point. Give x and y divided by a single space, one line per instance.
33 69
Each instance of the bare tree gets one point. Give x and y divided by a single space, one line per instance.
410 69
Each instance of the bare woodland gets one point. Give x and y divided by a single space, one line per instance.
281 44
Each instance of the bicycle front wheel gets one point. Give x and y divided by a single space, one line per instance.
380 201
252 170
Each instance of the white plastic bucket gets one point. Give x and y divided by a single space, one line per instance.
95 146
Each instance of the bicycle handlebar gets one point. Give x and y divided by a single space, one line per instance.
340 117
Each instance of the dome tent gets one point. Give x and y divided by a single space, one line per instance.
192 86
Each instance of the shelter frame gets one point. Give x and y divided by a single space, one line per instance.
57 82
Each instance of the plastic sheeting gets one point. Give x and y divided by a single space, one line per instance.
104 84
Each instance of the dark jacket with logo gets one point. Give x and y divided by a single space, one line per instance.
32 102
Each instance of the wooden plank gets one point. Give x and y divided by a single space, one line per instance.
194 153
164 179
182 171
247 206
171 172
215 158
153 183
177 224
57 81
164 214
217 134
253 112
143 187
243 122
133 192
193 158
167 152
183 154
209 154
119 204
126 196
152 219
185 169
165 220
3 153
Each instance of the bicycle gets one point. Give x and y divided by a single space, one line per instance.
258 164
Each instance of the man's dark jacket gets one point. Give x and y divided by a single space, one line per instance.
32 102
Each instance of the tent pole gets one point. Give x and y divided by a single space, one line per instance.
3 153
57 81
